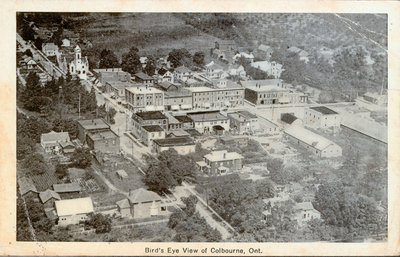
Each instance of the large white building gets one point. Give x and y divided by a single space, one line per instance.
144 98
313 142
74 63
73 211
321 117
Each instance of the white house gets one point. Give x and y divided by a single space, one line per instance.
73 211
305 212
50 49
272 68
51 141
321 117
66 42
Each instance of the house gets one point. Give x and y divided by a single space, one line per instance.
271 68
151 132
303 55
73 211
91 126
50 49
66 43
249 57
103 141
237 70
183 145
222 162
27 188
121 174
111 75
305 212
165 75
264 52
67 189
117 88
265 92
74 63
228 94
207 122
321 117
143 78
141 204
51 141
67 147
182 73
213 69
144 98
48 198
312 142
243 122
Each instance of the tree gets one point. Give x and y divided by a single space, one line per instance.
25 146
108 59
81 158
150 66
131 61
35 164
100 222
198 58
179 57
31 127
68 125
28 53
27 32
159 178
61 170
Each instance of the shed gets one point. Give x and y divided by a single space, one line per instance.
122 174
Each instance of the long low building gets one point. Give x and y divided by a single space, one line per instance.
73 211
183 145
313 142
206 122
365 127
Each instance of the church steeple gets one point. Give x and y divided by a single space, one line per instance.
77 52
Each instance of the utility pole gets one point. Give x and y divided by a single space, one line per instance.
79 105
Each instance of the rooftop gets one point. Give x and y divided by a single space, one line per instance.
124 203
324 110
242 116
182 69
109 134
153 115
74 206
366 126
120 84
222 155
93 124
183 118
143 90
179 133
174 141
171 119
67 188
207 116
288 118
142 195
55 136
263 85
48 194
152 128
26 185
309 137
143 76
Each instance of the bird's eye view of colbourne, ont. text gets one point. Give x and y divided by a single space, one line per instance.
202 127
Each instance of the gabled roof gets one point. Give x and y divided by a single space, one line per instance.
323 110
152 115
26 185
66 144
310 138
124 203
142 195
288 118
162 71
222 155
143 76
183 118
53 136
67 188
49 194
182 69
122 173
93 124
74 206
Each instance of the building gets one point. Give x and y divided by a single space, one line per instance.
141 204
227 95
249 57
213 70
117 88
243 122
303 55
312 142
122 174
378 99
264 52
27 188
74 63
73 211
143 78
366 127
186 121
144 98
225 45
66 43
305 212
165 75
51 141
176 97
290 119
183 145
237 70
67 147
50 49
208 122
182 73
173 123
111 75
104 141
222 162
67 189
265 92
150 118
271 68
48 198
321 117
91 126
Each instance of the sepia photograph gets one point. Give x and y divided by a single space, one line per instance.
202 127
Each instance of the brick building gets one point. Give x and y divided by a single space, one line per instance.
105 141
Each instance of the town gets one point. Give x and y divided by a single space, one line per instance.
221 139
